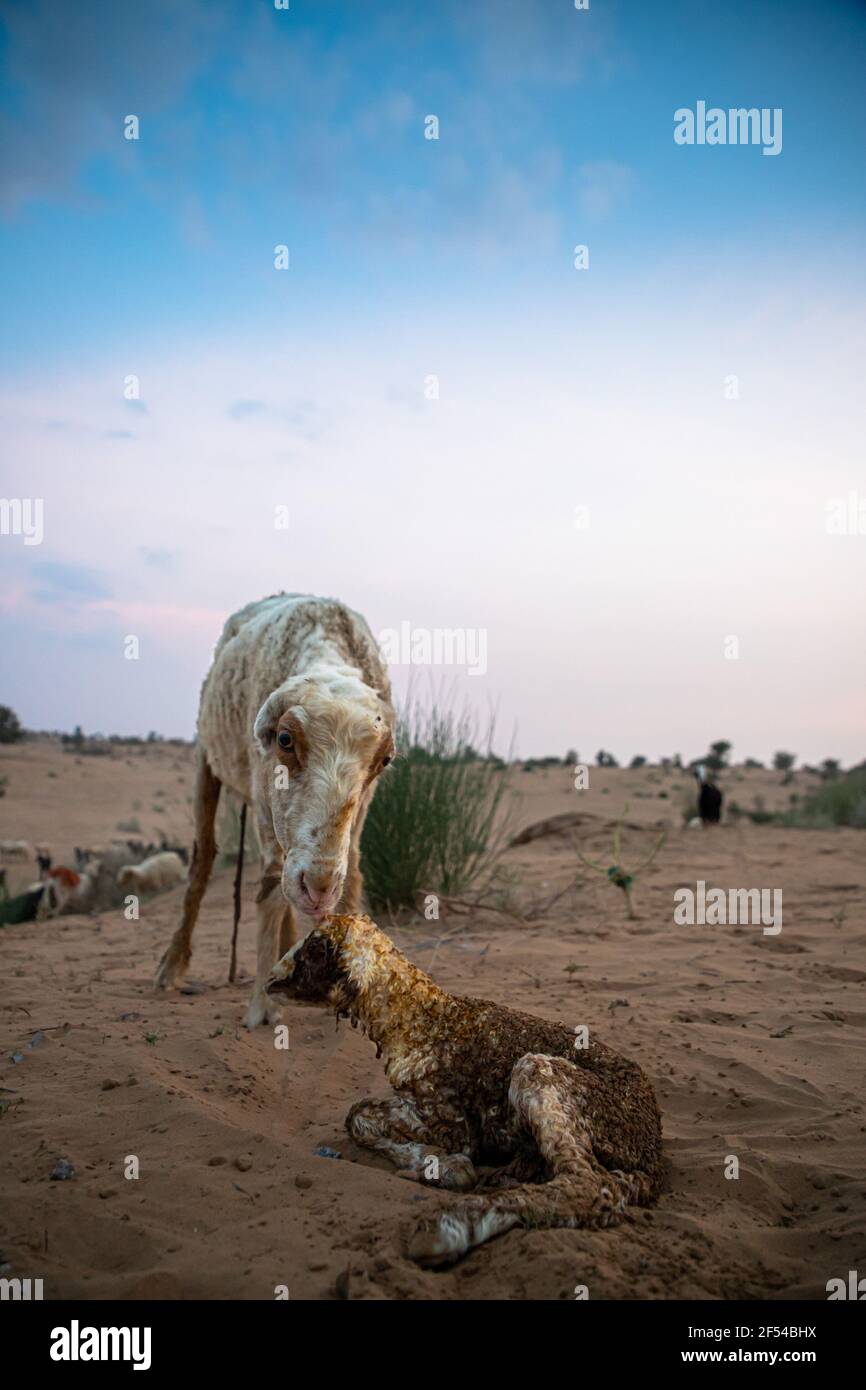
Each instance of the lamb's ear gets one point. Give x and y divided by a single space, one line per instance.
265 727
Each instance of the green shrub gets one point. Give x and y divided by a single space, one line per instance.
439 819
839 801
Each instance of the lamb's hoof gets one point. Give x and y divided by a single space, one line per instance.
432 1248
457 1174
262 1010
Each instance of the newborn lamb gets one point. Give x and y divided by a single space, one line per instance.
475 1082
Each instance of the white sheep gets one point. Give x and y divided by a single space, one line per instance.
296 719
15 849
153 875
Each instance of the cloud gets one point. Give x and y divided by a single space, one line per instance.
158 558
67 583
605 187
241 410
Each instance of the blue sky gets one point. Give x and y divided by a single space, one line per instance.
453 257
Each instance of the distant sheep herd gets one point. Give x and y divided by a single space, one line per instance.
102 876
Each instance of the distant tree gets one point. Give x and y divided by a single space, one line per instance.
571 758
753 762
605 759
666 763
678 761
717 758
638 761
10 725
783 762
830 769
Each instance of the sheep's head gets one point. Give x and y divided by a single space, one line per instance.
324 739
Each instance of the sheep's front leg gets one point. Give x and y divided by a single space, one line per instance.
437 1154
275 925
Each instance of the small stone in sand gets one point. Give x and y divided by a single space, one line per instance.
243 1163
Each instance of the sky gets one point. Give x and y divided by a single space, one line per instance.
623 482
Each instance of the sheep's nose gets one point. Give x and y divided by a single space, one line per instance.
321 887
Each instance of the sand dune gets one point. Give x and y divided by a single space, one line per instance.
755 1043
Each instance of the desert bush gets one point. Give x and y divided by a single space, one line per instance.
839 801
759 815
10 725
439 819
129 827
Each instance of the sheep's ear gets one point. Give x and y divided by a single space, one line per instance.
265 727
269 716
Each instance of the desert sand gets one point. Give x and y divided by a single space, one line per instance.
755 1044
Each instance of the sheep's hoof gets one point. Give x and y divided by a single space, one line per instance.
262 1010
169 972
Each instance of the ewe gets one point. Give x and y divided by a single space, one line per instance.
296 719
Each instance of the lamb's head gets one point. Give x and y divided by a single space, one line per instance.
339 957
324 739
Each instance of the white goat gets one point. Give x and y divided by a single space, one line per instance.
296 719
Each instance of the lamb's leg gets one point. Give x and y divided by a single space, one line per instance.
563 1107
397 1129
174 963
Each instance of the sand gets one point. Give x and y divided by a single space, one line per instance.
755 1044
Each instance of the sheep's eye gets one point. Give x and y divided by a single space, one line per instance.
385 762
284 739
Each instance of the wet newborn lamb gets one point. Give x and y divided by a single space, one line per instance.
476 1081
